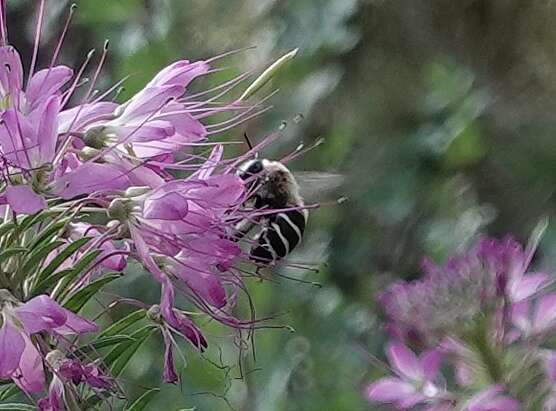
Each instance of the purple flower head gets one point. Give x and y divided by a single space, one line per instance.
90 374
49 149
174 321
19 358
66 375
414 382
449 298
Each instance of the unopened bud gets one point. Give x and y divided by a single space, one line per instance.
88 153
268 74
55 358
153 314
96 137
119 209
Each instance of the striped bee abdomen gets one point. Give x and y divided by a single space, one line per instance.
282 234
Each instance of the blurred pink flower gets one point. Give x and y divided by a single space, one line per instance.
491 399
414 383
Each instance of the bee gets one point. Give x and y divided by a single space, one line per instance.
275 188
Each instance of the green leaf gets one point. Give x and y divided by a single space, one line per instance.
53 279
6 228
63 256
78 268
51 230
140 403
106 342
36 256
9 391
81 297
10 252
25 224
46 278
17 407
123 323
120 355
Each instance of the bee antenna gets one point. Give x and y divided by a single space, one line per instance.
248 141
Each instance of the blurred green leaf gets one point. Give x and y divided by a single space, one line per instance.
140 403
120 356
17 407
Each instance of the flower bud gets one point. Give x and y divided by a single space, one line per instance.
88 153
96 137
153 314
119 209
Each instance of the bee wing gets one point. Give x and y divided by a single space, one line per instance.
318 186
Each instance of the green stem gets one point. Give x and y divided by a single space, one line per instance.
486 352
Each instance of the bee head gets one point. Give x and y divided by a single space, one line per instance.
250 168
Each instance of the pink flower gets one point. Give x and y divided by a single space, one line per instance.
19 358
414 383
43 84
535 319
491 399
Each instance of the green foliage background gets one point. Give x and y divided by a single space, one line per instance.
440 114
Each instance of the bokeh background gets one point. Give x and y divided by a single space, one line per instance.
439 113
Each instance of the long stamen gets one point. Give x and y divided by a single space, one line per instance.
111 89
63 35
58 46
37 41
3 28
241 120
74 85
228 83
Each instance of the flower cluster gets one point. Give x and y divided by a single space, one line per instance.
88 183
483 317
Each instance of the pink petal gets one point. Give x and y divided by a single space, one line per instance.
169 206
75 325
179 73
137 175
404 361
545 315
220 191
169 374
212 161
11 348
147 103
178 320
521 316
45 118
81 116
550 365
11 72
41 313
430 363
390 390
88 178
150 131
18 139
187 128
30 374
196 274
23 200
47 82
527 286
